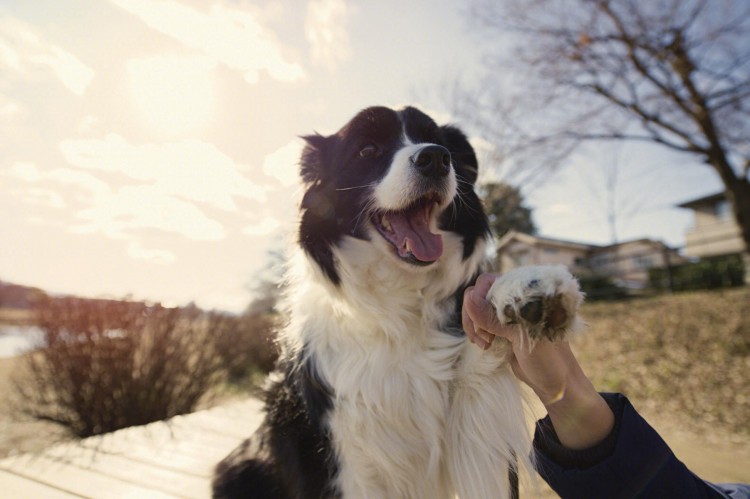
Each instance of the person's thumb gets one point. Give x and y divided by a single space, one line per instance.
482 313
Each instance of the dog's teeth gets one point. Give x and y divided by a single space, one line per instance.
386 223
407 246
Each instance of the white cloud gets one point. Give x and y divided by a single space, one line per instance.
231 36
45 197
175 93
559 209
326 32
165 184
23 51
137 251
96 187
24 170
30 172
189 169
266 226
131 209
8 107
88 124
283 164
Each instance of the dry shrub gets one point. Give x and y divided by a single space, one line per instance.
685 355
111 364
245 344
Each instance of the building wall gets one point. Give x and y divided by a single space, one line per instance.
517 254
629 263
711 239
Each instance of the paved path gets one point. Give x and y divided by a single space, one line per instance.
175 459
160 460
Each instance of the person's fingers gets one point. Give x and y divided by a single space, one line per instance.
484 283
480 311
479 337
479 317
466 321
487 337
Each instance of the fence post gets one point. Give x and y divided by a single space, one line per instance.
668 267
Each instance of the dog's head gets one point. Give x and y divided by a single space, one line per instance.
394 178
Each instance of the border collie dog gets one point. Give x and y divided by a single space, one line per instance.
378 393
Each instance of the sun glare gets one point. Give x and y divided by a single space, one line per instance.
175 94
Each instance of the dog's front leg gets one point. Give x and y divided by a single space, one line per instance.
486 427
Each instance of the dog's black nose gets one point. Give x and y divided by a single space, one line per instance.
433 161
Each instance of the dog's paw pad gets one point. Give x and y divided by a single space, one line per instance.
542 299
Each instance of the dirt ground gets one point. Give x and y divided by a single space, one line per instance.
19 433
682 360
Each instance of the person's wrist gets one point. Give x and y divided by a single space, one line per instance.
580 416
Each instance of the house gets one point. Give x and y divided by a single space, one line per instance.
516 249
715 231
627 263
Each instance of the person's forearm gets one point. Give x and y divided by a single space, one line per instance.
580 415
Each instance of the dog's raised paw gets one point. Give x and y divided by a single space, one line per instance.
542 299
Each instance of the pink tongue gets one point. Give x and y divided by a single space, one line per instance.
414 226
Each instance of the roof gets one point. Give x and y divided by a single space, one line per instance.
531 239
711 199
652 242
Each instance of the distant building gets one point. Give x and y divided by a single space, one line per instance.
516 249
626 263
715 231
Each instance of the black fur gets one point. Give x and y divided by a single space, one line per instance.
289 456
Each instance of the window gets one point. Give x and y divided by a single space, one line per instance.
642 262
722 211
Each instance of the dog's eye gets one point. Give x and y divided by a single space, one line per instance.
368 151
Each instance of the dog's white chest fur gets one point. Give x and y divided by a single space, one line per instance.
417 412
389 426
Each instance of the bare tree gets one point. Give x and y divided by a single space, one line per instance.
674 73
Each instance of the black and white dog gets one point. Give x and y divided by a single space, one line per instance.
378 393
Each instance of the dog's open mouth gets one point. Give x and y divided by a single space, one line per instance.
409 232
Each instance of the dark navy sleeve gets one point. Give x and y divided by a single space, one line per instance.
632 462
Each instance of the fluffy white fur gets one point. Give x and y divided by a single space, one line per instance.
517 287
417 413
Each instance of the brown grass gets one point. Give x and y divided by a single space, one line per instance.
685 355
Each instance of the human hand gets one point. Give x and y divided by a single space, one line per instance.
546 368
580 416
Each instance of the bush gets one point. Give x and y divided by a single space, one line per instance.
601 288
245 344
107 365
708 273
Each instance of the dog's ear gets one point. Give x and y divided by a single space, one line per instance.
313 160
465 160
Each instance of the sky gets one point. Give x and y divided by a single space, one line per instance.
149 149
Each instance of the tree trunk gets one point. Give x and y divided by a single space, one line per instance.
738 195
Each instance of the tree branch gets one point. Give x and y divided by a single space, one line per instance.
640 138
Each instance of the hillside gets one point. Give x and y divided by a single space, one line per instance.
18 297
685 355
